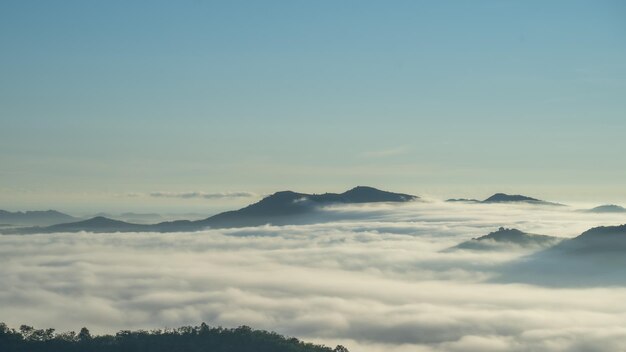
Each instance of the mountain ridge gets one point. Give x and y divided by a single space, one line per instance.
279 208
35 217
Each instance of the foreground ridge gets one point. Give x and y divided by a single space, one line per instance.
185 338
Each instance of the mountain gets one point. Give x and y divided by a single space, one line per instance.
604 240
363 194
508 238
100 224
280 208
516 198
595 257
504 198
138 218
287 207
609 208
34 218
97 224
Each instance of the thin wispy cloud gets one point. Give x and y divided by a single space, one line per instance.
383 153
203 195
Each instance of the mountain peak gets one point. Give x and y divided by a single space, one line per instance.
35 217
363 189
505 235
283 196
365 194
503 197
604 232
516 198
97 222
510 237
608 208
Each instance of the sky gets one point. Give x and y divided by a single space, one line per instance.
105 104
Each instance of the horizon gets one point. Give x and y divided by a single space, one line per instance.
205 203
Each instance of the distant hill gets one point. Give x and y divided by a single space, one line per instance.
137 218
97 224
280 208
596 257
100 224
609 208
508 238
34 218
605 240
516 198
505 198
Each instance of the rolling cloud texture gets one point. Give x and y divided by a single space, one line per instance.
380 279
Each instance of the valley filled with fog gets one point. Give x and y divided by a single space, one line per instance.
372 277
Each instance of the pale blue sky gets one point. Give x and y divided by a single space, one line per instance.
99 99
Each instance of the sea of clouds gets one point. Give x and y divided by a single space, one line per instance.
371 277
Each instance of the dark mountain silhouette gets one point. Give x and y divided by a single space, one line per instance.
280 208
97 224
609 208
516 198
287 207
504 198
598 240
363 194
35 218
137 218
508 237
100 224
596 257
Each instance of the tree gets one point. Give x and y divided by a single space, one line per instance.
186 338
84 335
204 329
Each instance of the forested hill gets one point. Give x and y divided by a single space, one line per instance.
187 338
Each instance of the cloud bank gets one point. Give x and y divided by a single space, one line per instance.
376 280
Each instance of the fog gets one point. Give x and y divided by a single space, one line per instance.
373 278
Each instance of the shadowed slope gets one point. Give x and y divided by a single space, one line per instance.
609 208
516 198
596 257
508 238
